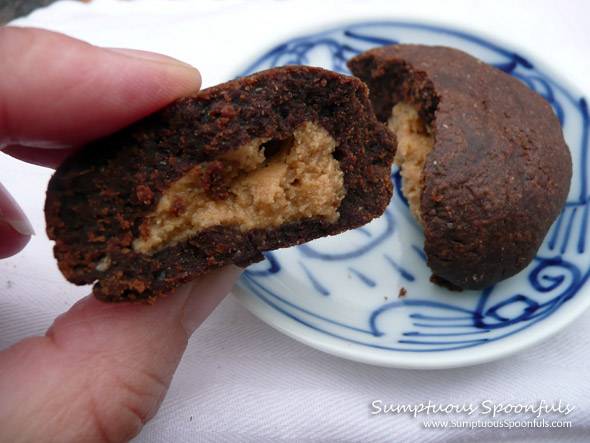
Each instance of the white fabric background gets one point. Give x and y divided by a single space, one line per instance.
241 380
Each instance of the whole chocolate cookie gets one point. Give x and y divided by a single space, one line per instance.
484 164
263 162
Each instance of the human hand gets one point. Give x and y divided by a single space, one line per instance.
102 370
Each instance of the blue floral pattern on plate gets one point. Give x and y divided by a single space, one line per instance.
342 294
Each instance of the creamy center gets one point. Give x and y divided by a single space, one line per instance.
259 185
414 142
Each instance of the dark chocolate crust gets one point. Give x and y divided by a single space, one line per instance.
499 172
99 197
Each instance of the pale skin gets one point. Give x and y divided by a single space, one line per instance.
102 370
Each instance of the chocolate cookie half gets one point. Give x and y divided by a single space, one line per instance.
484 164
267 161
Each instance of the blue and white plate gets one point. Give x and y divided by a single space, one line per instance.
342 294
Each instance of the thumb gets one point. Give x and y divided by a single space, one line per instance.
102 370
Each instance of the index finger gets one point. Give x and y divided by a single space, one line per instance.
59 92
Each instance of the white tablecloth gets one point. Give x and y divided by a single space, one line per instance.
241 380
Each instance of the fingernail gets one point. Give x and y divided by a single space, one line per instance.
13 215
22 226
150 56
206 294
190 76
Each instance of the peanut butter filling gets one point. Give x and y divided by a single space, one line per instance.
257 186
414 142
